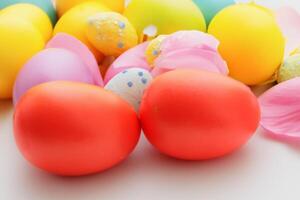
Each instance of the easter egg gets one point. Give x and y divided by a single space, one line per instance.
51 65
19 40
68 42
46 5
32 14
166 16
65 5
210 8
130 85
74 23
74 129
256 50
289 69
196 115
111 33
154 49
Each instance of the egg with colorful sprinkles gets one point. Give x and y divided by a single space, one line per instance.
130 85
111 33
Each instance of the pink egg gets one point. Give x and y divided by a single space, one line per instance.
133 58
51 65
68 42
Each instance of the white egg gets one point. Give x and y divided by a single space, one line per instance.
130 85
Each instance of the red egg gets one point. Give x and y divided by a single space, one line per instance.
73 129
196 115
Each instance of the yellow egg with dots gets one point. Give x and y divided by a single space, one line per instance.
64 5
32 14
74 22
111 33
153 50
251 42
19 41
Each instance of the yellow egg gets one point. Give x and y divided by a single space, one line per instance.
167 16
153 50
111 33
19 40
74 22
32 14
64 5
250 41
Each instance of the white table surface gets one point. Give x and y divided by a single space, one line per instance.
263 169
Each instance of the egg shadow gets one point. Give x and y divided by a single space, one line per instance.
145 166
6 107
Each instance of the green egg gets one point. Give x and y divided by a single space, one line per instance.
289 69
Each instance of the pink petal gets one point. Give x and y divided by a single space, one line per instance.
134 57
280 109
189 39
68 42
289 21
193 58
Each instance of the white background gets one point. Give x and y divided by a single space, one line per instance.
264 169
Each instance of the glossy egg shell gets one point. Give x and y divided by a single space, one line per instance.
196 115
46 5
74 129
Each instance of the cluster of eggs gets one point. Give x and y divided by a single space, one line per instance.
173 83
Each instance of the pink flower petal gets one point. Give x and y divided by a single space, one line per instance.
189 39
68 42
289 21
192 58
134 57
280 109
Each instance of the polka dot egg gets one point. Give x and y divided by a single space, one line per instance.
111 33
130 85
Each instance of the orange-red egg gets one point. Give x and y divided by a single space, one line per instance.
196 115
73 129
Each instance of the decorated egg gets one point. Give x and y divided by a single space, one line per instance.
210 8
165 16
32 14
65 5
19 40
46 5
68 42
111 33
130 85
154 49
289 69
74 129
196 115
74 22
255 52
51 65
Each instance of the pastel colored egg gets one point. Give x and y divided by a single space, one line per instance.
64 5
289 69
134 57
32 14
19 40
130 85
197 115
255 52
51 65
111 33
68 42
46 5
166 16
210 8
74 129
74 22
154 49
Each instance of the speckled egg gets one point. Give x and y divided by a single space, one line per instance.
153 50
111 33
289 69
130 85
